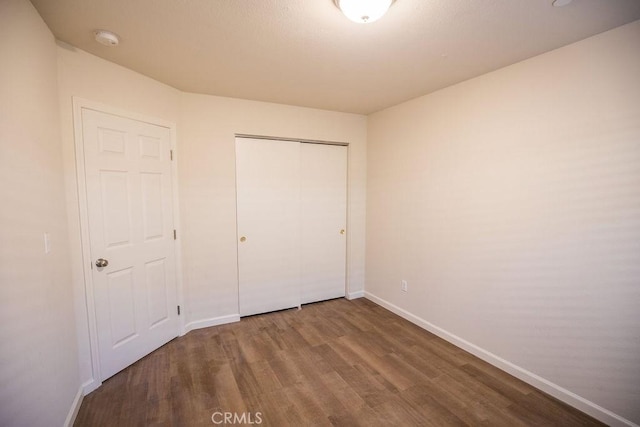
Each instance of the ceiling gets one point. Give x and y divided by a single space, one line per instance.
306 53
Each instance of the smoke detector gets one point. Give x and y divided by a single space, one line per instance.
106 38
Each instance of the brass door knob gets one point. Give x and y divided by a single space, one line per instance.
243 239
342 231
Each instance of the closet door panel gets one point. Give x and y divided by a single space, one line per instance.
268 209
323 207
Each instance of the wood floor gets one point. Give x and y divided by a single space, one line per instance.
339 362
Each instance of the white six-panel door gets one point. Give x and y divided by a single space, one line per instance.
129 200
291 210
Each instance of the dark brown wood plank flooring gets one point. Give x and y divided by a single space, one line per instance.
339 362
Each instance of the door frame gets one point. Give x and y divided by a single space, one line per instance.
78 105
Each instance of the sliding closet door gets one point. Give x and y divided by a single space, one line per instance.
268 194
323 196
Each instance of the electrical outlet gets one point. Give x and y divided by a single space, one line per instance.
403 286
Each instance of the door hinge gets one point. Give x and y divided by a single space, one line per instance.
171 154
175 235
178 310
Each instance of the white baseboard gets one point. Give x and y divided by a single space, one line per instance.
547 386
355 295
213 321
90 386
75 407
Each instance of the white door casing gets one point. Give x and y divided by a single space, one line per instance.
128 182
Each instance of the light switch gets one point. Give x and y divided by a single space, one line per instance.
47 243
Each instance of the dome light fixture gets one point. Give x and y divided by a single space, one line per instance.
106 38
363 11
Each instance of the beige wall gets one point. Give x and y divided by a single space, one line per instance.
38 353
511 205
206 127
206 145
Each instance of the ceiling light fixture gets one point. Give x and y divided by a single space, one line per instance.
106 38
363 11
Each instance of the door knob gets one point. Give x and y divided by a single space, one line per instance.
101 262
342 231
243 239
